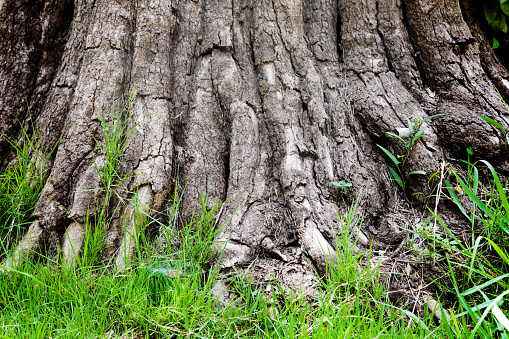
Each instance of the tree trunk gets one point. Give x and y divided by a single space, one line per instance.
262 103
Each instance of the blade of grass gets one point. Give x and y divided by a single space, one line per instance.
454 198
492 122
474 254
486 312
500 188
500 252
463 302
396 177
390 155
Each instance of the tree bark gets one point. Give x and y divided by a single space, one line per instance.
262 103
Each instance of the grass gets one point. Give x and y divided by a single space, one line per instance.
477 268
21 185
116 137
168 292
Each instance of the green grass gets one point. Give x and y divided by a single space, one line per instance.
168 290
116 137
41 300
476 268
21 185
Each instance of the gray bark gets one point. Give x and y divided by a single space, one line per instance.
262 103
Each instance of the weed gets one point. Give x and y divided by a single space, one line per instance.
414 132
342 185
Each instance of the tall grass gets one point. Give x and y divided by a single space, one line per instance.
115 139
22 184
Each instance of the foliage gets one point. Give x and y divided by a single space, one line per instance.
342 185
495 123
497 15
416 131
477 276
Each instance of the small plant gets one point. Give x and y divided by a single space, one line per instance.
414 132
342 185
423 240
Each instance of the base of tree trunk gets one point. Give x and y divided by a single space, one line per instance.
260 104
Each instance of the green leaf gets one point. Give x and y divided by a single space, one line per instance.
455 199
496 44
484 285
474 315
502 223
417 172
496 14
500 188
447 230
415 318
417 135
390 155
449 330
398 137
342 184
504 5
500 24
396 177
490 11
474 198
433 116
501 253
470 151
474 254
485 313
492 122
420 132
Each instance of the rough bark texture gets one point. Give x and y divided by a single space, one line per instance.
262 103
